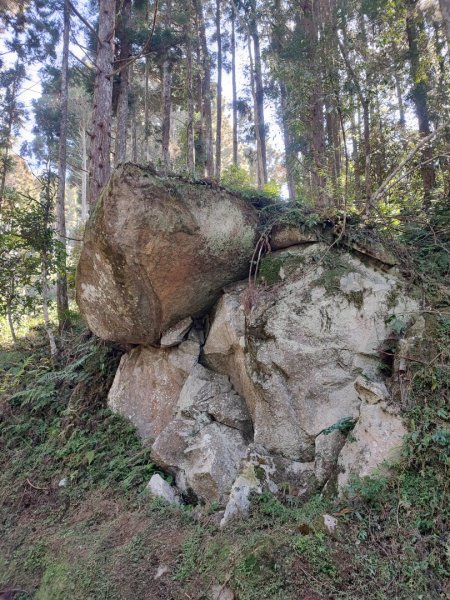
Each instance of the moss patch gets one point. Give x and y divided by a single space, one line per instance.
275 267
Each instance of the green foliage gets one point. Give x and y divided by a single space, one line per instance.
237 179
344 425
60 425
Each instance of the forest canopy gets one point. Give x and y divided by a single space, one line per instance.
336 107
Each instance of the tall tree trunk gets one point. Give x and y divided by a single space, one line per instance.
62 300
134 144
401 106
316 132
219 93
124 83
7 136
9 314
259 92
234 87
100 146
445 10
166 96
45 302
287 138
206 92
199 127
259 159
11 323
367 151
419 93
84 171
190 82
146 95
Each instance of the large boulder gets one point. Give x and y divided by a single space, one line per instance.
158 250
301 354
148 383
289 391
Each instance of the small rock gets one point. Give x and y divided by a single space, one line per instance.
219 592
159 488
371 391
63 482
175 335
162 569
330 523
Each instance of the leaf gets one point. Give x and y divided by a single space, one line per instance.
90 455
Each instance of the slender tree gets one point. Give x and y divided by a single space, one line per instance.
123 66
219 92
100 145
62 300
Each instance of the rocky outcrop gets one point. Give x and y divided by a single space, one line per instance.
287 389
157 251
279 386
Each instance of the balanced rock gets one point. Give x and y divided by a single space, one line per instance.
157 250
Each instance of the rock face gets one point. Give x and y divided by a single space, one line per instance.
287 388
157 251
148 383
278 387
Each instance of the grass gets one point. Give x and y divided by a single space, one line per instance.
102 537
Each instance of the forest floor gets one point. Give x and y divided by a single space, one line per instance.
100 536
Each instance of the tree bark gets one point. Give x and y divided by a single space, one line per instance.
445 10
190 82
419 94
219 93
206 92
62 300
234 87
259 93
84 171
8 133
100 146
11 324
124 83
316 132
166 97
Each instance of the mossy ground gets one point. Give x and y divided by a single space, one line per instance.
101 537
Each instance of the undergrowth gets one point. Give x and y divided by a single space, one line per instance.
55 424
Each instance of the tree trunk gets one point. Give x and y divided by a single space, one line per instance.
8 133
419 93
62 300
45 300
259 160
190 81
199 128
234 87
9 311
84 171
219 93
316 132
401 106
259 92
445 10
206 92
166 97
100 146
289 155
367 151
124 83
